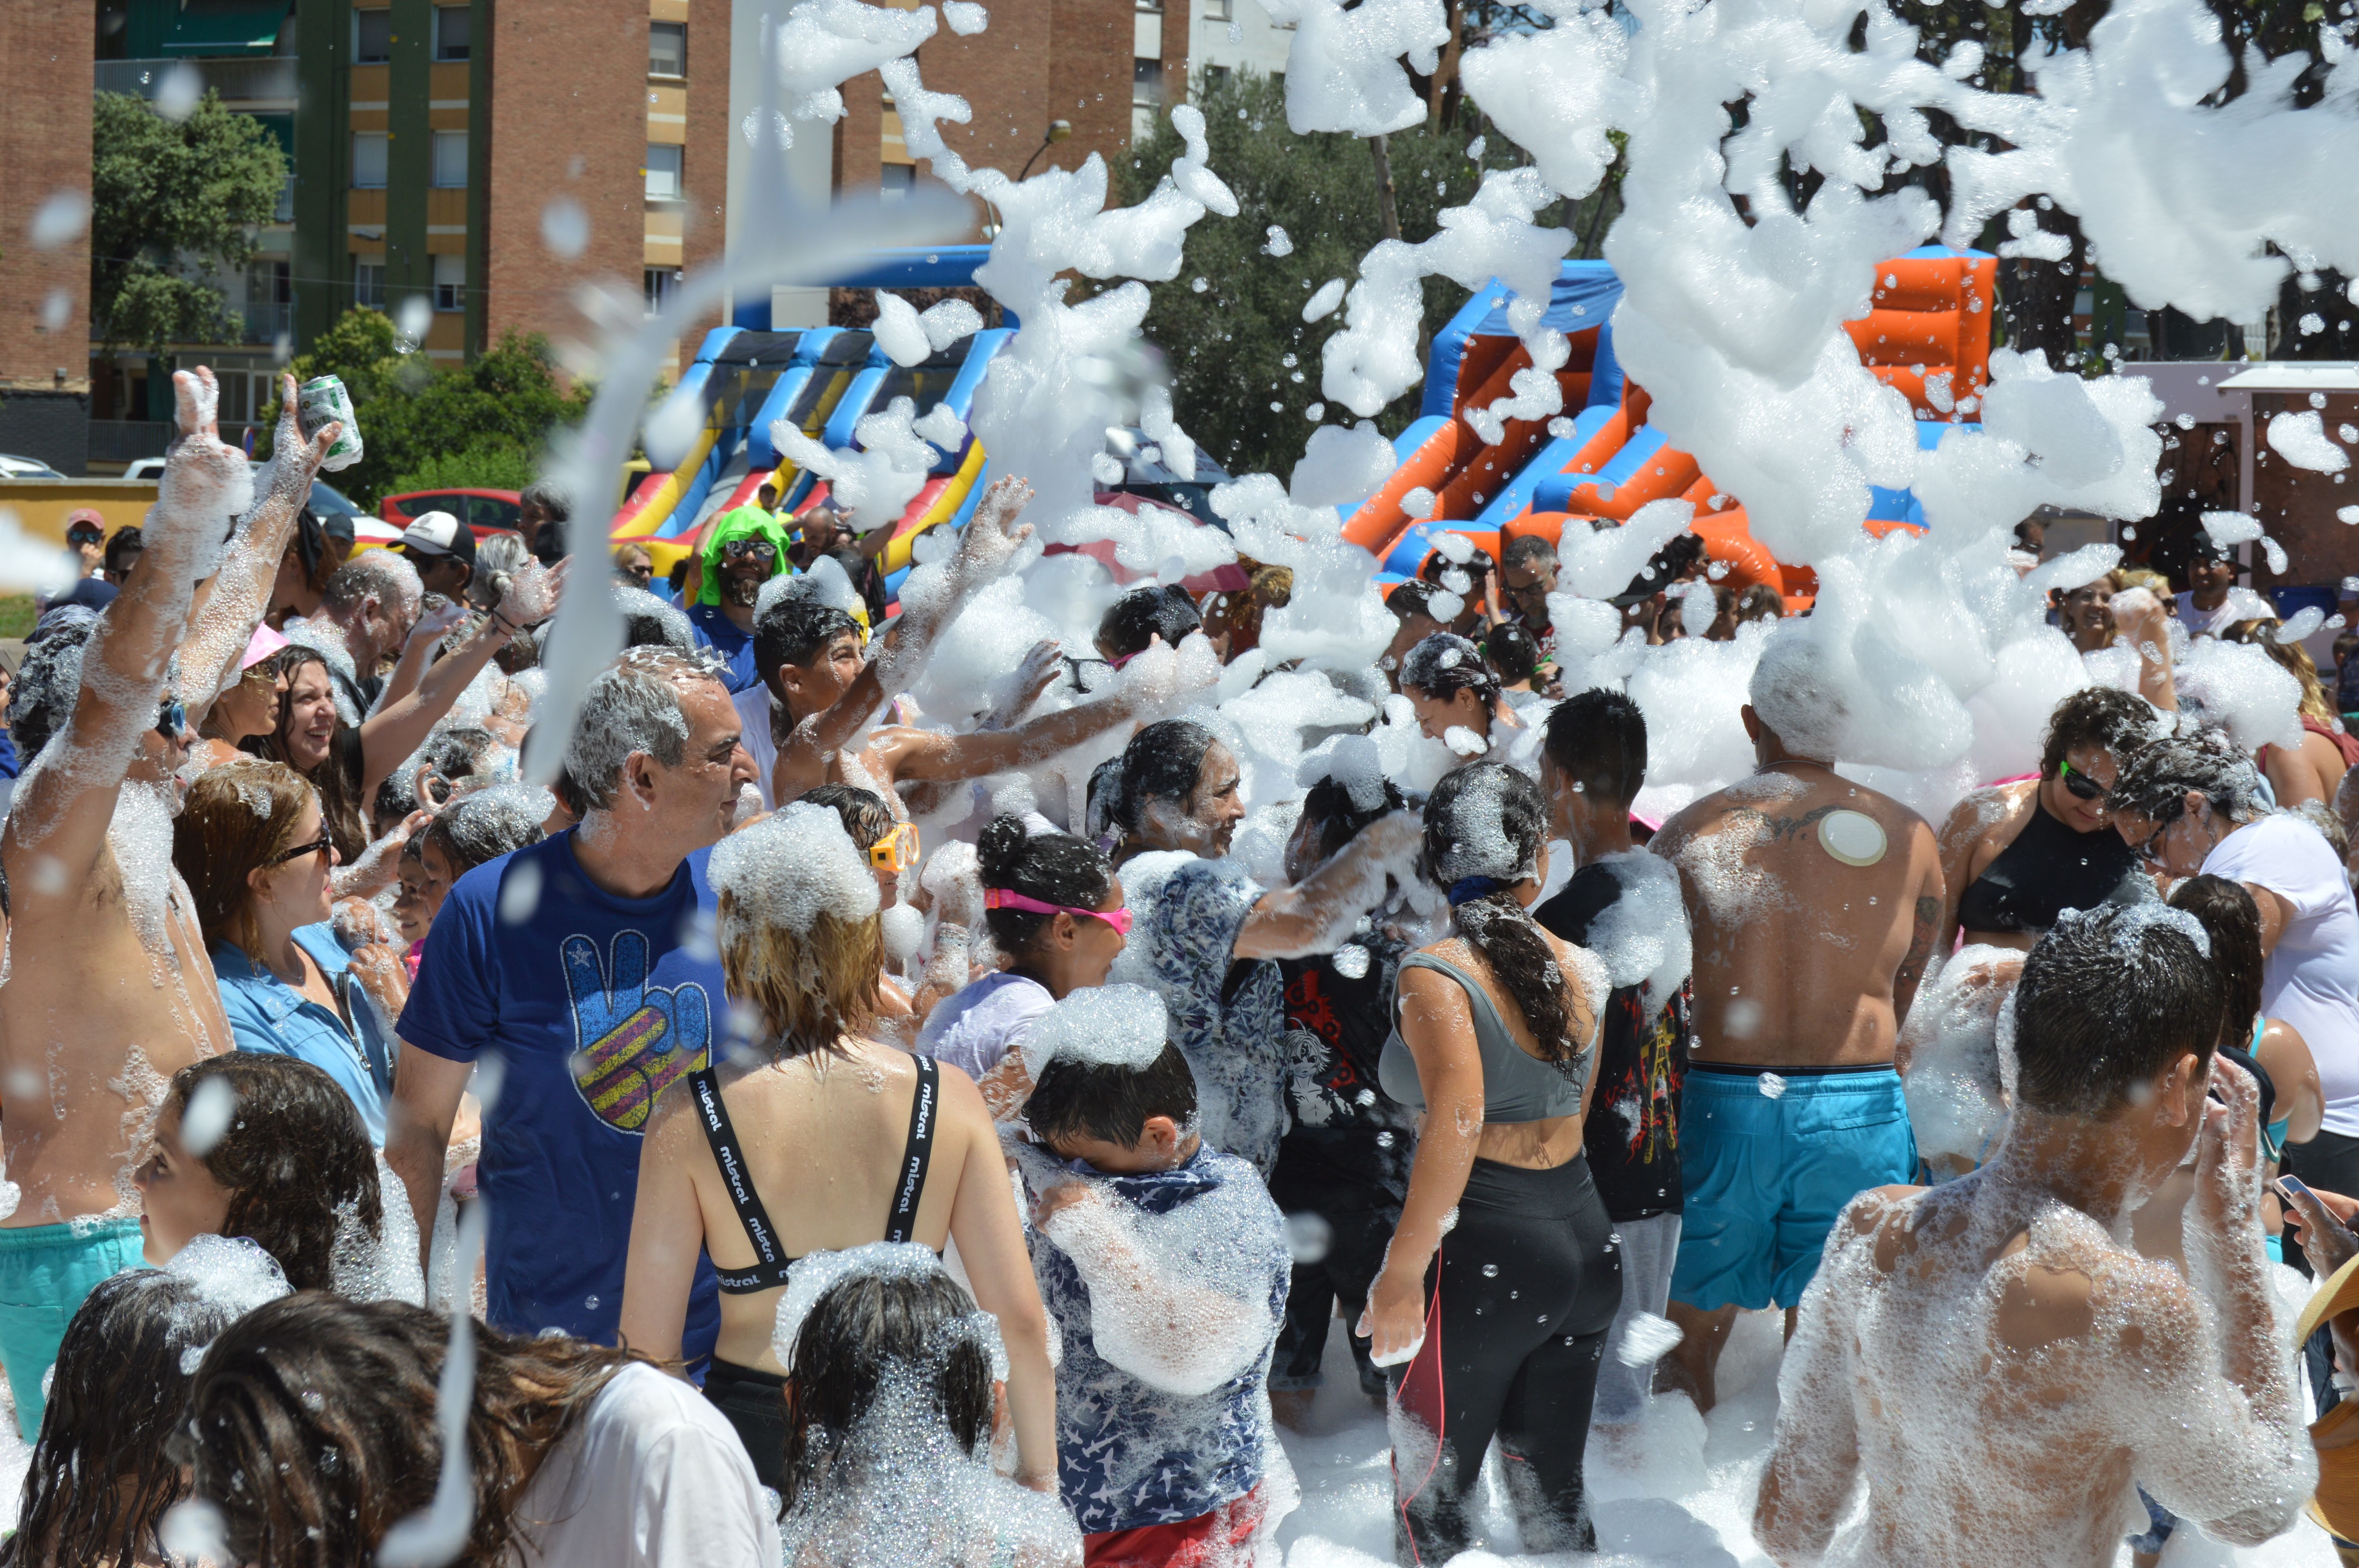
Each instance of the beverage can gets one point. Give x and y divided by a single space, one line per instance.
322 399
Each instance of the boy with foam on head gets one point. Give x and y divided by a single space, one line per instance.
1166 1266
1992 1357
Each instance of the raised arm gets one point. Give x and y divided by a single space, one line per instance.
240 590
2139 617
398 729
1437 1021
1315 914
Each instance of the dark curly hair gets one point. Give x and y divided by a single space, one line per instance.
1144 613
2154 780
296 1158
1162 762
1055 867
1446 664
2108 999
1485 824
2232 922
2100 716
312 1426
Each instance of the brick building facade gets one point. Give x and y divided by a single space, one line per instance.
44 294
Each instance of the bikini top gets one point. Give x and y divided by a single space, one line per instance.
2047 869
771 1263
1517 1085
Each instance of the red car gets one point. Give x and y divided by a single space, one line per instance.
487 511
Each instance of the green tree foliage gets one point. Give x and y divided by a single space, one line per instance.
1239 344
170 206
424 426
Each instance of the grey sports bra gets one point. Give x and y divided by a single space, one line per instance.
1517 1085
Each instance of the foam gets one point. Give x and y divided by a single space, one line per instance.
787 869
1104 1026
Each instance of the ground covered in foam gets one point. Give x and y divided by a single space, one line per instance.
1677 1495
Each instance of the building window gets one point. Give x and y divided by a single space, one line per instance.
451 32
369 151
368 281
1146 83
1215 77
667 48
663 172
449 160
898 179
658 282
372 37
1219 10
450 283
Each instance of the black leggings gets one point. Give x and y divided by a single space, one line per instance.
1520 1296
755 1403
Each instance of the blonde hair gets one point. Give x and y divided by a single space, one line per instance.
239 817
2262 633
2128 578
811 987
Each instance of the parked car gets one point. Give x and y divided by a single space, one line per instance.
145 468
485 512
26 468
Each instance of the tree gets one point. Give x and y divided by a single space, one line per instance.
1244 363
491 417
172 204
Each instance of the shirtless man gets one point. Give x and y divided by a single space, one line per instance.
1813 902
109 992
1991 1355
809 655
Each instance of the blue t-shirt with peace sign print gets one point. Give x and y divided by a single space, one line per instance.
594 1005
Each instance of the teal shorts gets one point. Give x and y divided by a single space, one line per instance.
1764 1177
45 1272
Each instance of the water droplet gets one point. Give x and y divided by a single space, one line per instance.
1490 1271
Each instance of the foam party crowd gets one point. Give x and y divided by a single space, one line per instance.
1151 1042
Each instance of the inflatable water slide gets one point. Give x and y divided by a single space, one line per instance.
1927 335
822 380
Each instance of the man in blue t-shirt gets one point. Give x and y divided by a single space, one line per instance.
585 965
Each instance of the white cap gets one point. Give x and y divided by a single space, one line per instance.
440 533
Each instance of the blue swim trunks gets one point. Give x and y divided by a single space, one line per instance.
45 1272
1765 1176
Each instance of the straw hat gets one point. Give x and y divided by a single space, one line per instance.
2335 1434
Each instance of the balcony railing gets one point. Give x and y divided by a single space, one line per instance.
127 440
271 80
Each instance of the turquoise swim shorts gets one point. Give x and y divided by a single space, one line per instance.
45 1272
1764 1176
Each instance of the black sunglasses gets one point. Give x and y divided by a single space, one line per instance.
2081 785
760 549
171 719
315 847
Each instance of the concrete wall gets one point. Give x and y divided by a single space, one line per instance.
42 504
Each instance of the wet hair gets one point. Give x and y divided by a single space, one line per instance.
649 622
383 573
2101 715
2154 780
879 1336
864 813
1512 652
1527 550
238 818
459 752
1145 612
794 628
1476 566
1077 1098
1760 602
1485 824
2232 922
2321 814
633 705
1665 567
1796 696
1414 596
296 1160
315 1378
2109 997
1337 818
1163 761
809 988
50 679
480 827
99 1481
497 561
2291 657
1055 867
127 541
1597 740
1445 664
397 797
339 795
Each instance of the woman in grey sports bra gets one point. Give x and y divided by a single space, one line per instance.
1501 1279
826 1139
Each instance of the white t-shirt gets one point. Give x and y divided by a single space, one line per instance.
2312 980
2242 604
753 707
973 1027
651 1476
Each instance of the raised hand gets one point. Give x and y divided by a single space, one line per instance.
204 483
991 537
532 593
2227 1153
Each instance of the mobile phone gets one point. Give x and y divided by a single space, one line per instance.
2291 1187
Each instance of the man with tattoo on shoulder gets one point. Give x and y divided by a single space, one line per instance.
1813 902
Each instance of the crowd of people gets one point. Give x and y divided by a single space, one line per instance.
900 1132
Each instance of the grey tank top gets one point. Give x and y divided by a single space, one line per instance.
1517 1085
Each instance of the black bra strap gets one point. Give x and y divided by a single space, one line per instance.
901 1225
770 1270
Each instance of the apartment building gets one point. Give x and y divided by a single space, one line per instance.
1183 43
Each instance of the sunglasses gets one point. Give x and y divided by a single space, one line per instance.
171 719
315 847
896 852
83 536
2150 853
2082 786
758 549
1001 898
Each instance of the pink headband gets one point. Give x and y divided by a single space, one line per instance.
1001 898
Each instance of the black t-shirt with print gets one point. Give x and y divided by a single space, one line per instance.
1336 1024
1632 1136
